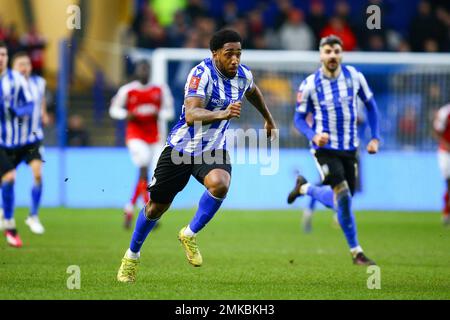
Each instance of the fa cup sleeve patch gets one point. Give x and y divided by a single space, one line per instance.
195 82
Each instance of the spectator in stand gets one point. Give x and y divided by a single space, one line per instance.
178 30
13 40
284 8
196 9
295 34
34 44
427 26
230 14
376 42
206 27
338 27
317 19
77 135
407 126
430 45
150 34
443 18
241 27
404 46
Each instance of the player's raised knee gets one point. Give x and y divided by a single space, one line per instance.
217 182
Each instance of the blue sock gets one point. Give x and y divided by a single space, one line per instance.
207 208
141 231
324 194
346 218
8 200
36 193
312 204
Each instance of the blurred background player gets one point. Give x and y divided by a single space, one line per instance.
330 95
308 212
17 141
442 133
21 63
146 107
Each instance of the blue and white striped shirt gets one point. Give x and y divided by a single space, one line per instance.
33 125
218 91
16 105
333 103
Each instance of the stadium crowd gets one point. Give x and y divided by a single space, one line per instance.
295 25
30 41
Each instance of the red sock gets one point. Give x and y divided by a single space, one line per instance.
137 192
446 206
144 192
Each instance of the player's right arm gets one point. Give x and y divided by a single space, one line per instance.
118 110
195 111
440 124
194 102
304 106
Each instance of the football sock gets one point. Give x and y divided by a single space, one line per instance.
312 204
141 231
446 206
145 193
354 251
188 232
36 193
323 194
137 192
207 208
346 218
8 200
133 255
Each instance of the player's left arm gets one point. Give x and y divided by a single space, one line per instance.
44 114
167 112
439 125
367 97
255 97
25 100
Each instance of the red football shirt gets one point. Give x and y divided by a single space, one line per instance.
146 103
442 125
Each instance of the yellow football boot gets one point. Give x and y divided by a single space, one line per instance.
128 269
190 247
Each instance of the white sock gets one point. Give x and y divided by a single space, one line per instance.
356 250
304 188
9 224
188 232
131 255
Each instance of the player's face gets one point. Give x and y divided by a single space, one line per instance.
143 73
331 56
23 66
227 59
3 59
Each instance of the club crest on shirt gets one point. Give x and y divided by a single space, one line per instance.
241 83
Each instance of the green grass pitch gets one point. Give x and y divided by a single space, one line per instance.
247 255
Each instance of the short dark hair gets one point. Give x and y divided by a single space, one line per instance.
223 36
330 40
3 44
18 55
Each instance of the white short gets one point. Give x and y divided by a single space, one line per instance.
444 163
144 154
